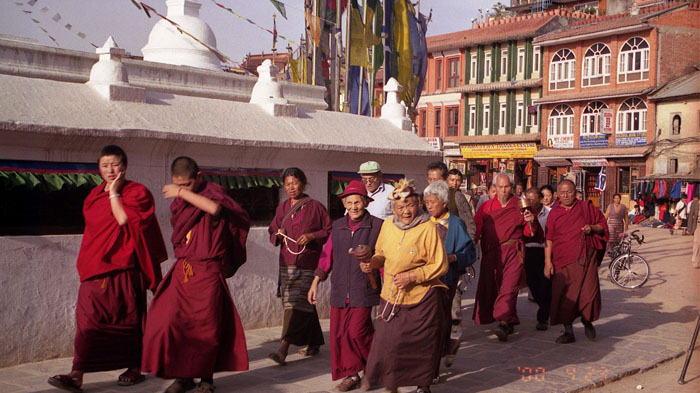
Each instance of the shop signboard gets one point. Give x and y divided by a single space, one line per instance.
435 142
560 141
606 121
631 139
597 162
599 140
499 150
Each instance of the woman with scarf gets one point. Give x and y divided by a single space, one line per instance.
300 228
410 329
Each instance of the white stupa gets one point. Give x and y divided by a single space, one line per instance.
167 45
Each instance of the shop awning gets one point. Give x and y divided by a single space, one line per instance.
243 178
340 180
48 176
549 155
662 176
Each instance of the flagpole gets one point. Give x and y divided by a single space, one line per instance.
337 38
315 47
346 98
370 84
274 38
362 69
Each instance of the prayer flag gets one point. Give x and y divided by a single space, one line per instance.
32 2
274 32
355 73
56 17
358 47
280 7
313 23
81 35
68 26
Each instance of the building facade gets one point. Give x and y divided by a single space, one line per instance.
595 107
593 7
479 94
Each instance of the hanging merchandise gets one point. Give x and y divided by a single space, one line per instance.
601 182
676 190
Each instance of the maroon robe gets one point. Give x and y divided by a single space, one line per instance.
116 265
500 231
351 340
193 328
575 285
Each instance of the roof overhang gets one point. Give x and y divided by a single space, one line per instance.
593 35
551 155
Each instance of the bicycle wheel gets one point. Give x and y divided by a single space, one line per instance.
629 271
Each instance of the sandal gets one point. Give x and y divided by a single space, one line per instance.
65 382
278 358
130 377
310 351
348 384
180 386
423 389
204 387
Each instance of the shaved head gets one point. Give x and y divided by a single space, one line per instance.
184 167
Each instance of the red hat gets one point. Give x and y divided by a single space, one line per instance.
355 187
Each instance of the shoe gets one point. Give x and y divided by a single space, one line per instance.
180 386
204 387
310 350
130 377
541 326
589 329
348 384
423 389
502 331
566 338
278 358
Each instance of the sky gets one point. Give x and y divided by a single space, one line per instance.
129 26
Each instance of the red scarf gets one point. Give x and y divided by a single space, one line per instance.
108 247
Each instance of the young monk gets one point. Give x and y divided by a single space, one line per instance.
119 259
352 293
193 329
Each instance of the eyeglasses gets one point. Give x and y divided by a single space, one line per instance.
369 179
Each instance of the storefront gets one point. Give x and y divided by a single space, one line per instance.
482 161
599 173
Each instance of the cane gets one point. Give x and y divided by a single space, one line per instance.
681 380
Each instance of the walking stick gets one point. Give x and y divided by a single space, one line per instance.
681 380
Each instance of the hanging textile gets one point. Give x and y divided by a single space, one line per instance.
676 190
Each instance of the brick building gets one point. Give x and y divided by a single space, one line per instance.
479 93
595 108
596 7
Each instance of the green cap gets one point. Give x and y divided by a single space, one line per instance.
369 167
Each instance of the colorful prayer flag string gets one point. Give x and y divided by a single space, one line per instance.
239 16
56 18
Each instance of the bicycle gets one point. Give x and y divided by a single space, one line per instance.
628 269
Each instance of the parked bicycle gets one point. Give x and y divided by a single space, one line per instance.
627 268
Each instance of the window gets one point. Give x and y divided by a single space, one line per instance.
452 121
438 75
521 60
502 117
632 116
561 121
589 8
590 120
438 114
472 117
676 124
504 62
532 115
519 114
473 68
423 122
536 59
562 70
256 190
672 166
453 76
487 66
486 117
596 66
634 61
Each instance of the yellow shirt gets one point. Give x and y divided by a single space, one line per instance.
419 250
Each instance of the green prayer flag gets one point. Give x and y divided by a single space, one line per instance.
280 7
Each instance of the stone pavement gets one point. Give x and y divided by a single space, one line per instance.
638 330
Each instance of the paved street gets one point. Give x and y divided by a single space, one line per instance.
638 330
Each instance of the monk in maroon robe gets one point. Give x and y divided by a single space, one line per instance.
119 259
577 233
193 329
500 228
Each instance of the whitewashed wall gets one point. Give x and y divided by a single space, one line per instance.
38 279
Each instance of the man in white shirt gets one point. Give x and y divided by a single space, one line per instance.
371 174
540 286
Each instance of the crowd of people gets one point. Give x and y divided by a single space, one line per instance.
397 263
